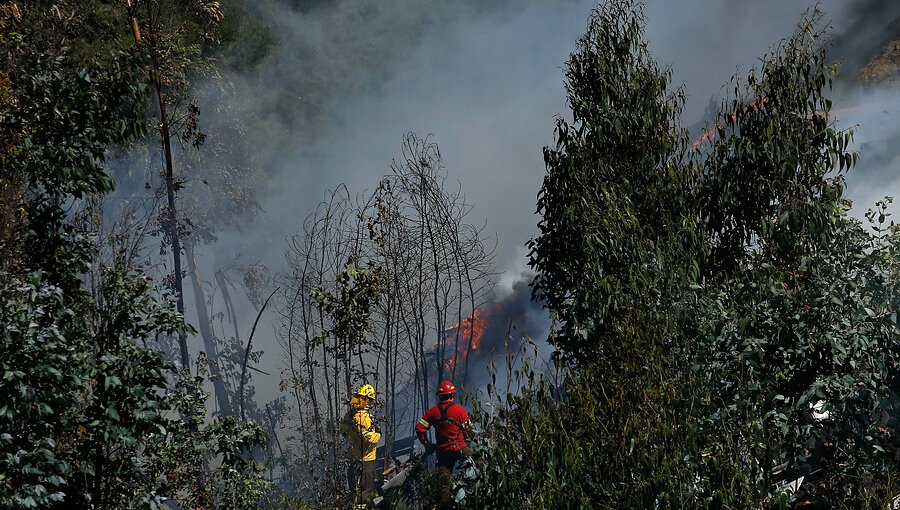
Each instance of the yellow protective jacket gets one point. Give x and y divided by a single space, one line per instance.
357 426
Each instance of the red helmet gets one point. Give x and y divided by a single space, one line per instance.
446 388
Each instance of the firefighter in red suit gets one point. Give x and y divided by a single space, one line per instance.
451 425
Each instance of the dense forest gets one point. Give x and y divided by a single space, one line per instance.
706 321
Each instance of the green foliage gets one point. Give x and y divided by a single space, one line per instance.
350 309
65 154
726 324
616 224
37 386
596 439
59 119
801 348
88 406
774 175
205 465
617 252
803 357
80 394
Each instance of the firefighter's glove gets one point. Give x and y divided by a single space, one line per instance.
429 448
466 451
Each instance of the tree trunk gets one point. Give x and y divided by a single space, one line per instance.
171 218
209 339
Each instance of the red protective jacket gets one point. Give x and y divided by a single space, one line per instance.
451 424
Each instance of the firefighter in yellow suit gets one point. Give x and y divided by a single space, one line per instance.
359 429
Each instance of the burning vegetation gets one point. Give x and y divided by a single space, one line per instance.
462 339
726 329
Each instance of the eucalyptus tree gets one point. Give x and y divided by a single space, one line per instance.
724 322
88 397
801 359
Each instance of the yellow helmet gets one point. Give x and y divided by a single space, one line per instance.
366 390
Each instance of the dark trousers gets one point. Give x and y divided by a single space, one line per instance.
445 464
360 477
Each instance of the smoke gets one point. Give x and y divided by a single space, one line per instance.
516 329
333 107
874 117
707 42
863 27
331 103
342 82
345 80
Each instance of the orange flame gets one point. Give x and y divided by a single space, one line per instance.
757 104
469 332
